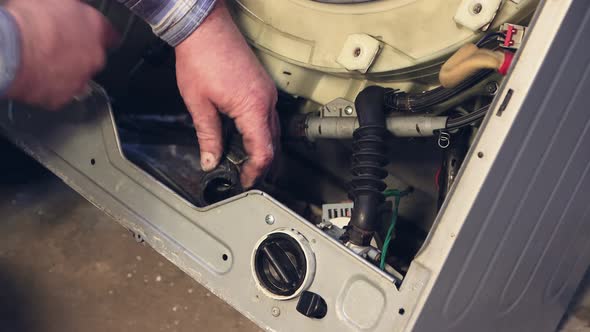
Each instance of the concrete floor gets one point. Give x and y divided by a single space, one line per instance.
65 266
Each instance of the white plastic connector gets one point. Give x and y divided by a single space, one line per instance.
514 35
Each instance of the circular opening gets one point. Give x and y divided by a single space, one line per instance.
92 161
480 154
280 264
224 257
402 311
217 190
477 8
357 52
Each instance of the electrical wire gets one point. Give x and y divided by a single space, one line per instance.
465 120
398 196
488 38
424 101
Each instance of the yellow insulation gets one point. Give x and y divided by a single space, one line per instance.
467 61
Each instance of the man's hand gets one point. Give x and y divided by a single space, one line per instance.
63 44
217 71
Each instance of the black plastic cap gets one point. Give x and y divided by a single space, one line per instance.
312 305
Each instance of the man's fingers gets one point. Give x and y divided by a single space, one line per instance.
259 138
107 34
208 125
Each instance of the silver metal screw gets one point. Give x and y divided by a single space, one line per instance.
348 110
275 311
270 219
477 8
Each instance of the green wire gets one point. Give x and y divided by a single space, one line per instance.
398 196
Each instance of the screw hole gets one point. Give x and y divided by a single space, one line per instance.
402 311
138 238
92 161
357 52
477 8
480 154
224 257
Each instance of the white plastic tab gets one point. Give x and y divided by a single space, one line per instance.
477 14
359 52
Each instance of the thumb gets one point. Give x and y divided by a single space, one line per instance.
208 125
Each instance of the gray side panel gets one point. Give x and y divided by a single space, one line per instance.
525 244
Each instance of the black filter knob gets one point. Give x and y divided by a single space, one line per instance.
312 305
280 264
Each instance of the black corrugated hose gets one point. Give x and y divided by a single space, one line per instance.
368 164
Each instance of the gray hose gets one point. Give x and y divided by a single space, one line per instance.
400 126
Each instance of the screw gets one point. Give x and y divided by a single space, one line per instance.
492 88
348 110
275 311
137 237
270 219
477 8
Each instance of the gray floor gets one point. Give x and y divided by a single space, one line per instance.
65 266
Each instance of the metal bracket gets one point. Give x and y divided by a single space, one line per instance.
338 108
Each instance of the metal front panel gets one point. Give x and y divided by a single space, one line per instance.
522 248
214 245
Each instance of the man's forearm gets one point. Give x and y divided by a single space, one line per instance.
9 50
171 20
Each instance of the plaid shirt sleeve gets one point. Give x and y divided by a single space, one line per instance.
171 20
9 50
